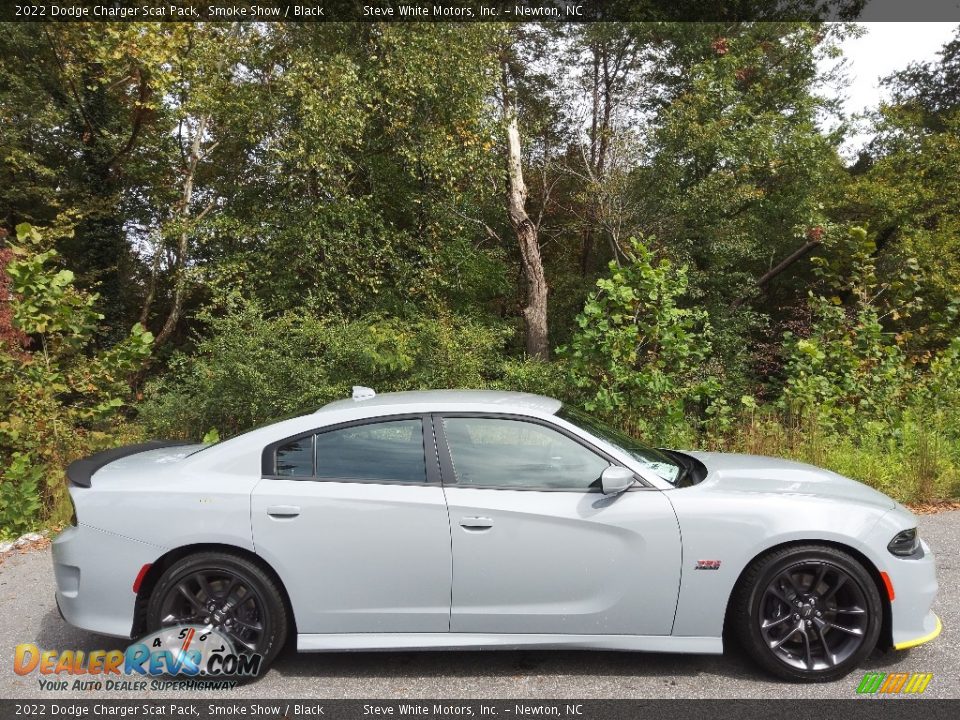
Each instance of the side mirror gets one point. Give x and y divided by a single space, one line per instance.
615 480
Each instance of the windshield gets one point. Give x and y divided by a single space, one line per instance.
657 461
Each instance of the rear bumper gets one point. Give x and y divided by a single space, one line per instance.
94 571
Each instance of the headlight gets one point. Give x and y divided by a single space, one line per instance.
905 543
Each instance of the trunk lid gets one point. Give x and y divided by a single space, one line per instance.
138 457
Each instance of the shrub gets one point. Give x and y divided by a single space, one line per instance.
637 356
59 397
249 369
848 370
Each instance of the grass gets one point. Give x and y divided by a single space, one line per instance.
914 463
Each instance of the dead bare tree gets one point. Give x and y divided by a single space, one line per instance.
526 230
183 221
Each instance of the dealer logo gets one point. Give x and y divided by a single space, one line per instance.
894 683
181 651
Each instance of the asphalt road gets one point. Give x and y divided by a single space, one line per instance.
28 614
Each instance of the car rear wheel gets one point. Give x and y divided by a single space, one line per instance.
225 592
807 613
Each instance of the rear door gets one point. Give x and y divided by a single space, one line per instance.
538 548
354 520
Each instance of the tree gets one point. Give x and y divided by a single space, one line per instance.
76 105
363 160
535 310
739 167
906 189
611 60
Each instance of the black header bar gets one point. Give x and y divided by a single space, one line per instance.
476 11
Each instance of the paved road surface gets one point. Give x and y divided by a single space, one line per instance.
28 614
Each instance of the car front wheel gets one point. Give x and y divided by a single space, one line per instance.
807 613
228 593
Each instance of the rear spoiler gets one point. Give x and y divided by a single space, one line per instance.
80 471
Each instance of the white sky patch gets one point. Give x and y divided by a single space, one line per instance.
885 48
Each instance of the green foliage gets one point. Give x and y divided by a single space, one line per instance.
366 151
868 409
317 205
20 496
58 397
637 353
740 167
850 369
48 303
543 378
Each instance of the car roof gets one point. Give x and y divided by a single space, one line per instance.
426 400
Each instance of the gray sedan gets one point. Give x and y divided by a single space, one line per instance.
476 519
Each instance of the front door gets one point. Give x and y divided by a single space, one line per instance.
358 534
537 548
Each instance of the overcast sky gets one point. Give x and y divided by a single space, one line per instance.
885 48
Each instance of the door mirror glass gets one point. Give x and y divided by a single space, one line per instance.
616 479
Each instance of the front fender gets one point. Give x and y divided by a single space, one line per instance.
735 528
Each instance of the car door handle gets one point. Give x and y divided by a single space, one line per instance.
476 523
283 511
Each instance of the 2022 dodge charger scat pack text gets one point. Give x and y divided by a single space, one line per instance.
473 519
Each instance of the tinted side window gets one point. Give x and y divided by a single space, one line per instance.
295 459
513 453
391 450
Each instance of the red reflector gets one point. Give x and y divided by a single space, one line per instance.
140 576
886 581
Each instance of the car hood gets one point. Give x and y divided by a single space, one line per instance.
758 474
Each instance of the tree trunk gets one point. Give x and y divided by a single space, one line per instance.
183 244
778 268
586 235
600 131
535 311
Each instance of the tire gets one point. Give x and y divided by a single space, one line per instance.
807 613
249 597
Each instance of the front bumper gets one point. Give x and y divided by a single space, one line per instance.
931 621
94 572
914 582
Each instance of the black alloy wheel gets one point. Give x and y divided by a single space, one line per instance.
808 613
225 592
